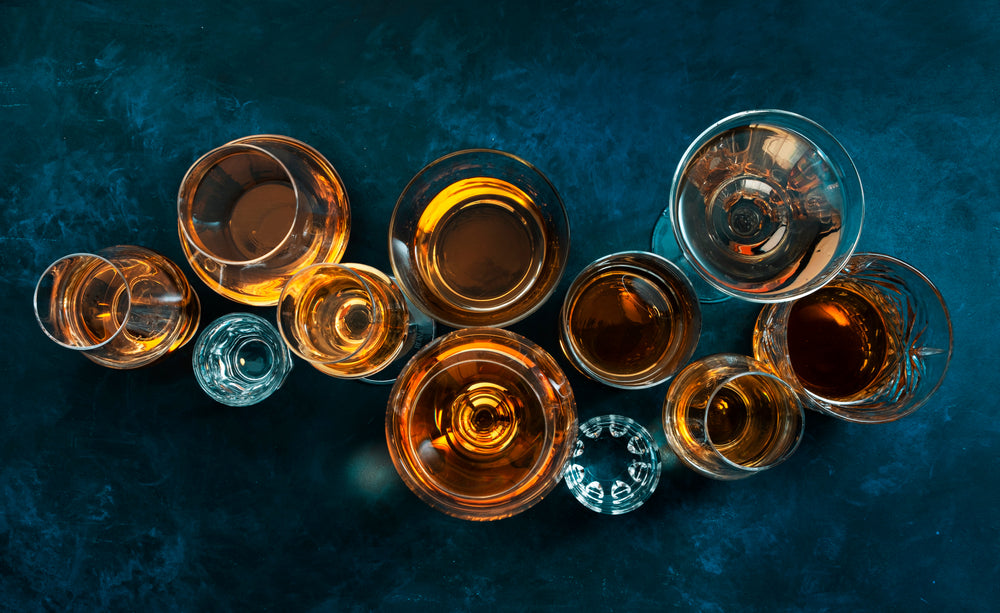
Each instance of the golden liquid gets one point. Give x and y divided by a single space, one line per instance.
480 244
477 429
838 342
620 322
347 327
743 420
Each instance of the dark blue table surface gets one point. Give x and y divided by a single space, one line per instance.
132 491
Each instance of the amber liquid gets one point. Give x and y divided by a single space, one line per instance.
621 320
838 343
478 428
762 207
744 420
350 327
480 244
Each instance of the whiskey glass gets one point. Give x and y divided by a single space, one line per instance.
765 206
480 423
122 307
615 465
240 359
347 320
871 346
728 417
478 238
630 320
256 210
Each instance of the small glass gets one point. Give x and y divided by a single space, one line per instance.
122 307
615 465
256 210
478 238
765 206
240 359
728 417
630 320
871 346
480 423
347 320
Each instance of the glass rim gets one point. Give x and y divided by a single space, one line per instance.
798 434
573 291
848 172
310 271
195 173
118 273
405 203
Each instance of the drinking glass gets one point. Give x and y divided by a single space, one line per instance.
240 359
728 417
630 320
480 423
478 238
256 210
348 320
765 205
615 465
871 346
122 307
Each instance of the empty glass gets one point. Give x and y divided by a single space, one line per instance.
615 465
122 307
240 359
871 346
256 210
728 417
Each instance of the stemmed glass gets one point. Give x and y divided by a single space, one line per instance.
480 423
348 320
256 210
765 206
122 307
728 417
871 346
478 238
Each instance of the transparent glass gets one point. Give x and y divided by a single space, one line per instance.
728 417
630 320
615 465
347 320
478 238
240 359
480 423
122 307
766 206
256 210
871 346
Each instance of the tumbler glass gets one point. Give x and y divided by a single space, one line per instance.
478 238
480 423
256 210
240 359
873 345
347 320
122 307
765 206
728 417
630 320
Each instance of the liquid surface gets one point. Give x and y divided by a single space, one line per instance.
838 343
743 420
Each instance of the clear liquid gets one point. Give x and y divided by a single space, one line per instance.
760 209
241 359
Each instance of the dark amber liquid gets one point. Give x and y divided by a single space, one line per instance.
837 342
744 419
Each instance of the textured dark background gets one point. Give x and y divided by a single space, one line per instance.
132 491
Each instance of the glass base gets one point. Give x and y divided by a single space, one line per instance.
665 244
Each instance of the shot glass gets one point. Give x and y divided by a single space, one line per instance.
256 210
630 320
240 359
347 320
728 417
871 346
122 307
